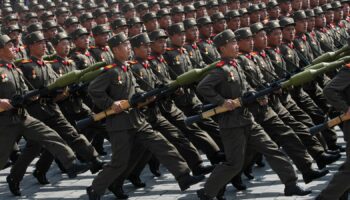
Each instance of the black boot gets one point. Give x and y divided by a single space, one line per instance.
217 158
221 194
295 190
14 186
336 147
136 181
313 174
41 177
154 166
187 180
60 166
248 172
326 159
260 160
238 183
202 170
344 196
77 168
8 164
96 165
333 152
118 191
202 196
92 194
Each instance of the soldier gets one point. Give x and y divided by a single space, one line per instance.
273 10
142 9
125 128
50 31
190 11
245 19
128 11
100 16
14 32
233 4
199 138
62 13
20 123
233 19
219 23
39 74
164 19
285 7
315 149
150 22
101 52
330 27
135 26
337 94
118 26
326 42
254 13
212 7
177 14
221 87
201 10
311 35
205 43
340 31
71 24
87 22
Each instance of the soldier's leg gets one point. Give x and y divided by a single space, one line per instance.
261 142
182 144
235 143
44 162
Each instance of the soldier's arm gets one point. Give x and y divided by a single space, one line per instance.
206 87
334 90
98 89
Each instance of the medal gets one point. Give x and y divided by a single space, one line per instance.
34 74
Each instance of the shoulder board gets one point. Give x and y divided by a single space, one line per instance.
347 65
220 64
26 61
1 64
254 53
92 47
109 66
151 57
132 62
49 61
169 49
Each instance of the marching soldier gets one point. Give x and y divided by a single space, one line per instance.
221 87
205 43
14 32
101 52
125 128
326 42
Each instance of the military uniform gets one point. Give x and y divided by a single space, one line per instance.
326 41
205 45
101 53
128 126
227 81
337 93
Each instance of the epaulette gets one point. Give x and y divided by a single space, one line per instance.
24 61
49 61
254 53
108 67
169 49
92 47
151 57
220 64
132 62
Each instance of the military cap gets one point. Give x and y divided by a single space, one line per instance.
164 3
189 23
271 4
127 7
59 37
99 11
253 8
139 40
23 8
90 5
232 14
50 24
243 11
117 40
310 13
257 27
212 3
189 8
222 2
50 5
162 12
31 15
112 12
149 16
38 7
100 29
71 20
344 1
4 39
33 38
152 2
11 17
318 11
336 4
77 8
141 6
287 21
217 17
111 2
118 23
299 15
7 10
12 28
157 34
199 4
204 21
224 37
326 7
34 27
85 17
46 15
64 4
61 10
79 32
134 20
283 1
272 25
176 10
262 5
243 33
176 28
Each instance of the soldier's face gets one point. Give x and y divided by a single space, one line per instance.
245 20
15 35
178 39
235 5
82 42
329 16
201 12
165 21
338 14
223 8
206 30
286 7
345 9
246 45
260 40
234 23
159 46
62 17
288 33
230 50
191 15
274 12
179 17
63 48
320 21
275 37
135 29
311 23
102 39
51 33
8 53
102 19
122 29
301 26
152 25
220 25
297 4
38 49
192 34
254 17
143 51
122 51
88 24
213 10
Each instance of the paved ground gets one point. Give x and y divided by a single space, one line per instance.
265 186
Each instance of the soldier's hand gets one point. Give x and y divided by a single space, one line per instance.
263 102
231 104
180 92
117 107
5 104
